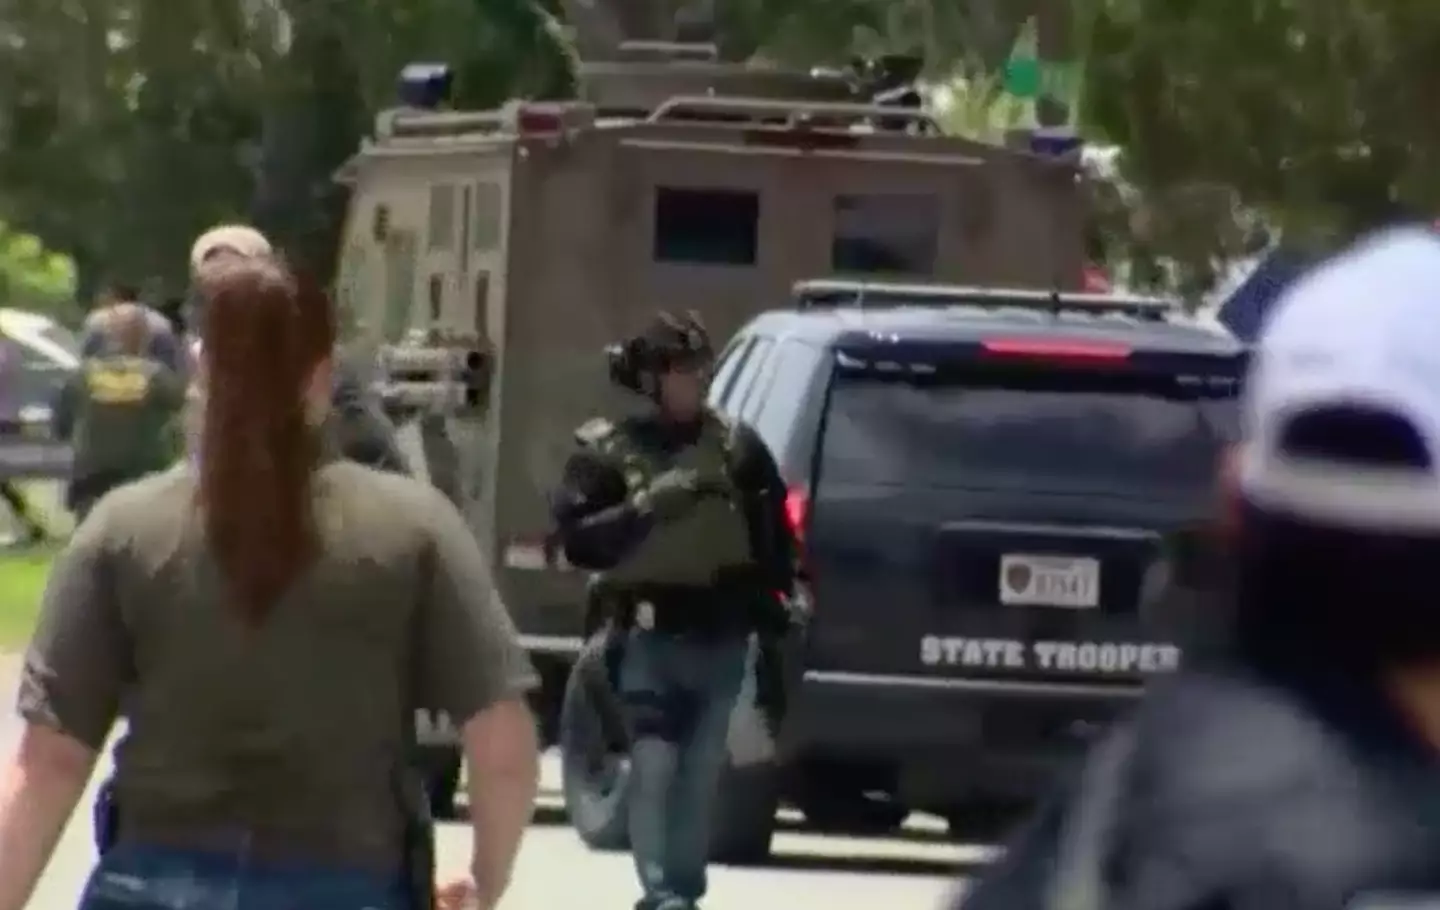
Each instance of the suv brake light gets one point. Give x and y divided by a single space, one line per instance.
797 513
797 508
1056 350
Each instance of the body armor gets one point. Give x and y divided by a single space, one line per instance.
711 537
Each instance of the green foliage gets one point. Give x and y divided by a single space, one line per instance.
129 126
980 107
32 277
22 582
1317 113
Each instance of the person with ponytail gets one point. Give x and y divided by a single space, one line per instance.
267 613
359 427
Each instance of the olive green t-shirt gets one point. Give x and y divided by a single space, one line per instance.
293 727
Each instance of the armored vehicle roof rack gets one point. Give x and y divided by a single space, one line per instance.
794 113
517 117
830 293
645 74
637 50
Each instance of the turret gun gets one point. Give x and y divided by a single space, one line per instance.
433 374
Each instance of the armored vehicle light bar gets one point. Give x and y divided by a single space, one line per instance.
817 294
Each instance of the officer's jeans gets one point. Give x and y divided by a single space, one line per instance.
680 693
136 877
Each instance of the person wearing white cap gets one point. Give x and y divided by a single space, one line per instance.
1297 764
361 430
220 242
227 240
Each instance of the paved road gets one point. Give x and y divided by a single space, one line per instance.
912 872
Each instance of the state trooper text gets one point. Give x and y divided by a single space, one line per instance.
1054 656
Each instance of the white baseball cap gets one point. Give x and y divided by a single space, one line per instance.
1361 332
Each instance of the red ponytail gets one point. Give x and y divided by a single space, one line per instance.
264 334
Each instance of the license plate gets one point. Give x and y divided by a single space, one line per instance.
1049 581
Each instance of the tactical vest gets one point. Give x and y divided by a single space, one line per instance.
712 536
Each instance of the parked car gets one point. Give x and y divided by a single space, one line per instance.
37 355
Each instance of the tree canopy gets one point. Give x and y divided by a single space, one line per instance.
130 125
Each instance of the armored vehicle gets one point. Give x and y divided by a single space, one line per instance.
533 235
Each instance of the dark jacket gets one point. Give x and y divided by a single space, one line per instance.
362 431
1242 792
119 415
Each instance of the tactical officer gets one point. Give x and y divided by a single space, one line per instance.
680 514
267 615
1298 763
118 411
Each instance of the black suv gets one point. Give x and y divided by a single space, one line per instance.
980 481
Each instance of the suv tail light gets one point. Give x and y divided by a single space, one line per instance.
797 510
797 516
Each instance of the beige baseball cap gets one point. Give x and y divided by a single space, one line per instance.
240 238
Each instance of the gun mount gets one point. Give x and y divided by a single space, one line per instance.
427 375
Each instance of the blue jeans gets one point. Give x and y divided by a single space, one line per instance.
679 693
135 877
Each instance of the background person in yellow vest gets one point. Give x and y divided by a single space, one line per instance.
680 515
118 411
162 343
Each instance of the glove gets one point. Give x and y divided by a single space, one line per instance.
671 495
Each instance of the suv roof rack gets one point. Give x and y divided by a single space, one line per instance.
839 293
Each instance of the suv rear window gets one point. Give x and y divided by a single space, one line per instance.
1042 431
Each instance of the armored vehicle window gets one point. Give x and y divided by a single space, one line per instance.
485 227
482 304
889 234
399 282
436 292
441 235
706 226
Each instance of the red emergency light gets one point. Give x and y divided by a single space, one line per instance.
1094 280
530 120
1055 350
